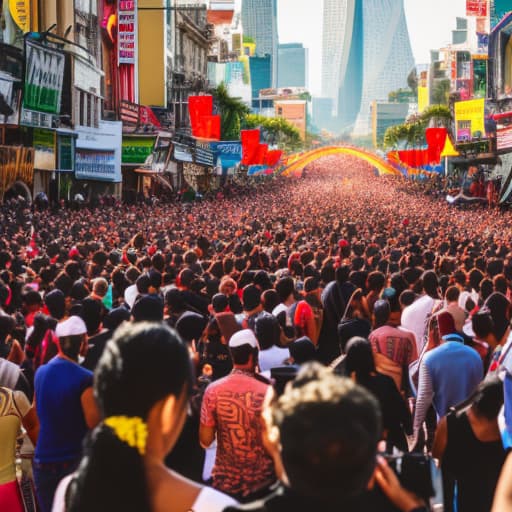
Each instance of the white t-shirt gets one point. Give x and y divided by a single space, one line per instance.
208 500
272 357
414 318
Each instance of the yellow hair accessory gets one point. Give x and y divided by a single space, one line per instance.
132 431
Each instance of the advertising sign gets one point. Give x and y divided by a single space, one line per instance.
44 75
203 155
10 94
20 12
504 138
476 8
44 145
227 154
183 153
136 149
498 9
127 31
98 152
469 118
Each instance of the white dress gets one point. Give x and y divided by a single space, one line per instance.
208 500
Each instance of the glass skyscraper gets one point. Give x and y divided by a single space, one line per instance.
292 65
366 54
259 22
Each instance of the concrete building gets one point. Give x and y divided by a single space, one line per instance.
292 65
259 21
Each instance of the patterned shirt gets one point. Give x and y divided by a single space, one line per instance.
396 344
232 406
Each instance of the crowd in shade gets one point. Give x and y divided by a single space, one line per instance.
276 348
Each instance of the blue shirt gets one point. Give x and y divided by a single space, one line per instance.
455 371
59 385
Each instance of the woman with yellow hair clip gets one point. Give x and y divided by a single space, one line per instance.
142 385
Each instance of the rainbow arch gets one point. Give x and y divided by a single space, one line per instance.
295 164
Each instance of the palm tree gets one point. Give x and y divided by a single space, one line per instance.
232 111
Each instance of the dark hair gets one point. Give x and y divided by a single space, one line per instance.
452 294
329 429
56 303
240 355
487 399
359 358
70 345
482 324
141 364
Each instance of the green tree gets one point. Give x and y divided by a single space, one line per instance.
232 111
275 130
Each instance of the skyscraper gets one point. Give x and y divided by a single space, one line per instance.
366 55
292 65
259 22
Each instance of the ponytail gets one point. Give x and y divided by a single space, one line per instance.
110 477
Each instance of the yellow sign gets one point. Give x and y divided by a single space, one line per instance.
423 99
448 149
20 12
469 118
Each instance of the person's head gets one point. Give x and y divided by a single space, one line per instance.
148 308
141 386
91 312
251 298
72 335
359 361
482 324
302 350
376 281
220 303
267 330
56 303
430 283
285 288
381 312
269 299
243 347
190 326
452 294
7 326
407 297
327 429
488 398
100 286
499 307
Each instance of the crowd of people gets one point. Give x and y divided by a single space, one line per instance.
273 348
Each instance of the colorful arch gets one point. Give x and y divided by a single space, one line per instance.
295 164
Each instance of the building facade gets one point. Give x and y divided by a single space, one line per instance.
366 45
259 21
292 65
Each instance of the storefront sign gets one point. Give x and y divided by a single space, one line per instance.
203 155
127 31
476 8
44 145
16 163
87 77
136 149
20 12
44 75
183 153
469 118
98 152
504 138
10 99
227 154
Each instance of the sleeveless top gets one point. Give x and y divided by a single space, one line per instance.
474 464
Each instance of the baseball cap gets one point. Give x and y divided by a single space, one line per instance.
73 326
243 337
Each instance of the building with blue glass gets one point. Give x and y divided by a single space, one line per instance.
292 65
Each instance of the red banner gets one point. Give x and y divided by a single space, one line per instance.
261 154
250 146
273 157
436 138
207 127
476 8
199 106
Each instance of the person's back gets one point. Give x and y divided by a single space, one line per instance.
233 404
473 463
455 371
58 387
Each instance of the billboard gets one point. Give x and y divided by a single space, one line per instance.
44 76
498 9
127 31
476 8
469 119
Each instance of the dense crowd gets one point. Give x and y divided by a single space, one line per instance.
275 347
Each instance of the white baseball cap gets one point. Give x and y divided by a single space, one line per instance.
73 326
243 337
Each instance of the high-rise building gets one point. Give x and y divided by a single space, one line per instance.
292 65
259 21
366 54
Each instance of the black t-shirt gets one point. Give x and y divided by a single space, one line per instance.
96 346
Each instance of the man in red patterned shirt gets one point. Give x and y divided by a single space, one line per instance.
231 411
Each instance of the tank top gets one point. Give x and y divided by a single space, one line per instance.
474 464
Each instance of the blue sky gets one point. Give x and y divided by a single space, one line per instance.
429 26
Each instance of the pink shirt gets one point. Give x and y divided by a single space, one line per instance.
399 345
232 406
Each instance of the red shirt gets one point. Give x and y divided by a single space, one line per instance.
232 406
